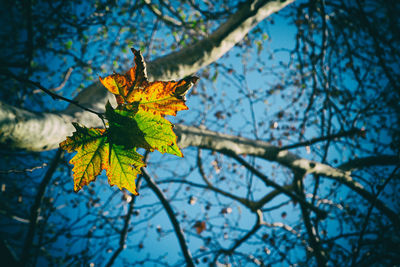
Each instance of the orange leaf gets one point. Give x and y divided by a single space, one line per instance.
200 226
163 98
159 98
134 79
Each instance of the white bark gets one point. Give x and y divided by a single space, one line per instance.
192 58
22 129
203 138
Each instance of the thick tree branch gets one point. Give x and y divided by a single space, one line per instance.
360 163
194 57
202 138
47 130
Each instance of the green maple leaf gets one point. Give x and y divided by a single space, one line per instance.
120 170
95 153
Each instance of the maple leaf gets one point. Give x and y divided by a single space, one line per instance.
95 153
137 122
159 98
119 169
142 129
91 157
124 85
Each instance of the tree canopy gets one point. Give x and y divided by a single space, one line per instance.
290 143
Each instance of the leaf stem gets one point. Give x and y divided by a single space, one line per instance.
50 93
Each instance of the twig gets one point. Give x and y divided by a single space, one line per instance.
257 225
323 138
365 224
246 202
24 170
167 19
268 182
61 86
178 231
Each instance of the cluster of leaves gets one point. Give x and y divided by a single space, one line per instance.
137 122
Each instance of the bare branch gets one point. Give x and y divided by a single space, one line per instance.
269 182
360 163
257 225
244 201
35 209
61 86
168 209
124 230
203 138
364 227
317 249
167 19
350 132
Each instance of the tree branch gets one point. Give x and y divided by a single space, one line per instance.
246 202
357 249
124 230
35 209
49 92
159 14
46 130
317 250
360 163
202 53
168 209
254 229
350 132
292 195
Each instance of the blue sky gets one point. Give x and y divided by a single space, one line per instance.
243 110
